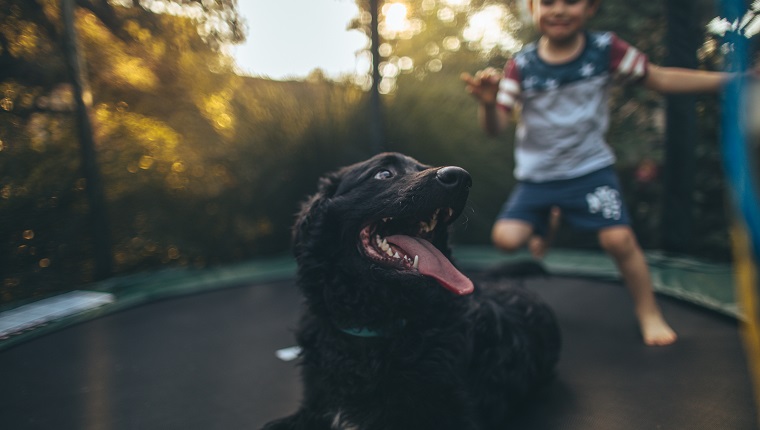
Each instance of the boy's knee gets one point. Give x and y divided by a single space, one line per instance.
509 236
618 240
505 244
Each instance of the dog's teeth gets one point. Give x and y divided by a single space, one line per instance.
389 251
384 245
396 255
433 223
451 212
416 264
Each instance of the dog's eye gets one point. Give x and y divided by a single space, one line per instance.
383 174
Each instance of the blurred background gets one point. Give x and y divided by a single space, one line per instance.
185 133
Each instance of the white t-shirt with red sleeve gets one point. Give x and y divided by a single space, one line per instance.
565 112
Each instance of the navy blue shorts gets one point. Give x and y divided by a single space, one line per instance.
590 202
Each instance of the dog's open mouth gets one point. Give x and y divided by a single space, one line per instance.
406 244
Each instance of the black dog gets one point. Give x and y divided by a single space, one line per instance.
393 336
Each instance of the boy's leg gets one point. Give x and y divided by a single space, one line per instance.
522 218
621 244
538 244
510 234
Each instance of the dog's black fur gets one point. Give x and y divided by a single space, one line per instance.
385 347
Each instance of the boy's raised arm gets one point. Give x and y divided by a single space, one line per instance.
674 80
484 87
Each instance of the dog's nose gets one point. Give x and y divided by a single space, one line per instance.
452 176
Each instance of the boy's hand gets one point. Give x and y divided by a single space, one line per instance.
484 86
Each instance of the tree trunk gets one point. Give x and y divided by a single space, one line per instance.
99 225
377 130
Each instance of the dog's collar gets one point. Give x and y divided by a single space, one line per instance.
366 332
361 332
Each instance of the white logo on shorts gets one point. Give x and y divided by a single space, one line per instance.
605 200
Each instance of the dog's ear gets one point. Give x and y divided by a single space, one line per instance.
328 184
313 211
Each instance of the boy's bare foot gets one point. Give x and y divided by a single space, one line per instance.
656 331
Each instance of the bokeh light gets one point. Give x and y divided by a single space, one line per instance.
395 17
492 27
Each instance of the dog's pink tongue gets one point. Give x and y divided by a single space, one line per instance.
434 264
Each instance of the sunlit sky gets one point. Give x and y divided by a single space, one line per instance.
290 38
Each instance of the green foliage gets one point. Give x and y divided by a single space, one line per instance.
204 167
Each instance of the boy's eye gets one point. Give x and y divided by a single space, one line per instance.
383 174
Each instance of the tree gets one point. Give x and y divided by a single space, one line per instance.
124 44
31 31
101 234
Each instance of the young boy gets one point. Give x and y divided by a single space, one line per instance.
563 164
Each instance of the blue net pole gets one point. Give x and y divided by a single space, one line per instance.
736 156
737 160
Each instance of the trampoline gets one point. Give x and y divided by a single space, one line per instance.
196 350
204 358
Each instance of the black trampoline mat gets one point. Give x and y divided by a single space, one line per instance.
207 362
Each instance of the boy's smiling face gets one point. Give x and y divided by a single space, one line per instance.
561 21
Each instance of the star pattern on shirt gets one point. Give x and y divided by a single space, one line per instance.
602 40
587 69
531 82
540 76
521 61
